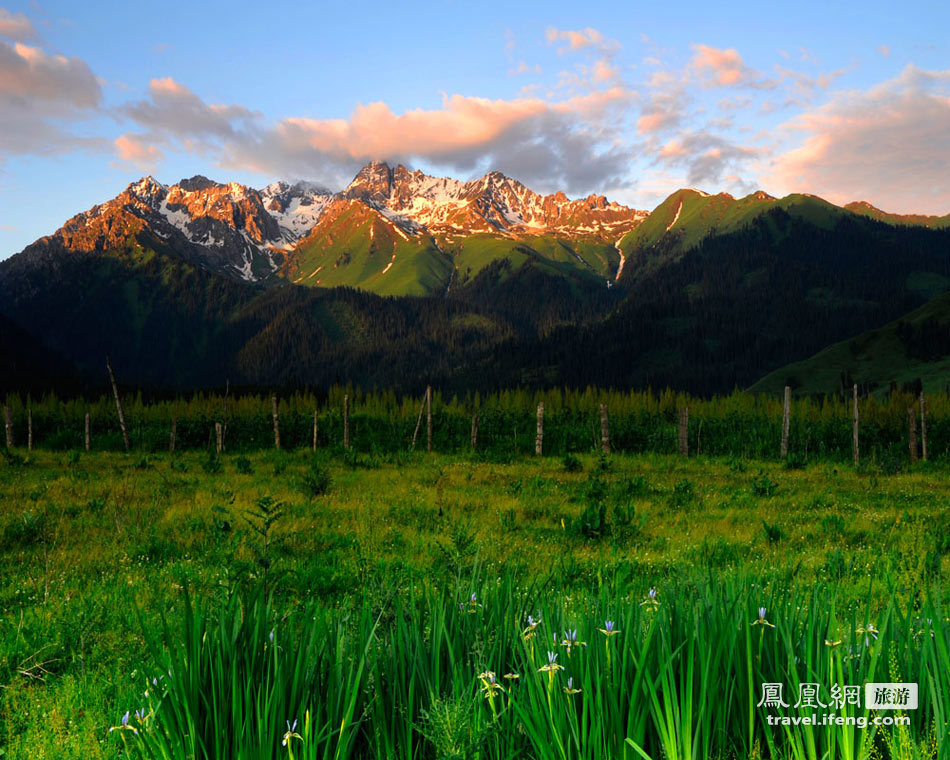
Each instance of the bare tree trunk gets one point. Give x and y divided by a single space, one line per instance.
88 438
346 423
474 430
173 434
684 431
786 416
539 438
415 433
29 430
118 405
912 433
8 425
855 448
314 430
429 418
273 400
923 427
604 430
218 436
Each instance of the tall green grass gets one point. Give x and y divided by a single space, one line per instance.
461 671
740 424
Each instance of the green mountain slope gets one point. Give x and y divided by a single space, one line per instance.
864 208
357 246
688 217
723 313
916 346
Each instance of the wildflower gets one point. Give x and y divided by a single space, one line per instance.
528 633
489 686
608 630
124 725
651 600
511 676
552 666
570 640
867 631
761 619
291 733
473 603
491 689
569 689
832 644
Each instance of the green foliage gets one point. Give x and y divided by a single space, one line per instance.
27 530
451 726
571 463
316 481
773 532
371 679
763 486
262 519
683 495
243 466
212 464
96 553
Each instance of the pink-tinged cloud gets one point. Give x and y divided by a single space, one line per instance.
40 94
889 145
175 108
706 157
462 124
603 71
568 141
30 73
884 50
16 26
576 39
655 121
724 66
137 150
672 149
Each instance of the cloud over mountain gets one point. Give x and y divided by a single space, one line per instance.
563 142
889 144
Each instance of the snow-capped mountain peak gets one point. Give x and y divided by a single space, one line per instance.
248 233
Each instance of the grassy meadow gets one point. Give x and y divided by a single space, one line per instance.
370 597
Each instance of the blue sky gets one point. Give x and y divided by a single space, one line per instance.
632 100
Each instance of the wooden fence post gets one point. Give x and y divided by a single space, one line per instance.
29 430
273 400
855 449
88 441
923 427
684 431
314 429
429 418
786 415
415 433
8 425
912 433
474 430
604 430
218 436
173 434
539 438
346 422
118 404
